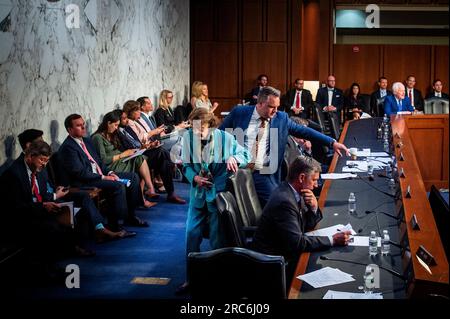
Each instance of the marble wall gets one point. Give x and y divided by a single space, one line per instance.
122 49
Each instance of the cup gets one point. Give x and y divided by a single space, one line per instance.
353 153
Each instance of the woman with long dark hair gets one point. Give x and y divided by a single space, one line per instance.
107 143
354 104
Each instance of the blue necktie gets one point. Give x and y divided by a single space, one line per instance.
399 104
146 119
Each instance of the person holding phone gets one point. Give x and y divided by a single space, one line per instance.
209 156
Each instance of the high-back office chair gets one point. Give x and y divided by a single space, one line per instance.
243 188
436 106
366 98
335 130
236 273
441 215
231 221
380 107
320 118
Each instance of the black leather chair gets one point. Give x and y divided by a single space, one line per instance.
436 106
242 187
366 98
320 118
335 129
231 222
236 273
441 215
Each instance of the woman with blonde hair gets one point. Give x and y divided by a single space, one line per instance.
164 114
202 99
196 91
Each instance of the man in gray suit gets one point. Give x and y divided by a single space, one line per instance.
291 211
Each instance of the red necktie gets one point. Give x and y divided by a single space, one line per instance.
297 102
91 159
410 97
34 188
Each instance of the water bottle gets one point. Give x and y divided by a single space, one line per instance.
385 243
369 167
379 132
389 170
373 244
125 181
352 204
391 184
369 281
386 145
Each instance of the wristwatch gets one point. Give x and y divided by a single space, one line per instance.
332 142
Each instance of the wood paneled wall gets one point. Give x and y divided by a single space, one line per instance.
366 63
233 41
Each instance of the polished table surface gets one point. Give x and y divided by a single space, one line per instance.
334 204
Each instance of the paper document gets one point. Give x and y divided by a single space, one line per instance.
326 277
338 176
362 241
364 153
355 167
137 153
331 294
65 217
364 115
379 154
330 231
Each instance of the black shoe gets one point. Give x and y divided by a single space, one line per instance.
136 222
182 289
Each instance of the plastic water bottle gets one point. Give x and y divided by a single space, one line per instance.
386 145
373 244
380 132
369 282
369 167
389 170
385 119
125 181
391 184
385 243
351 203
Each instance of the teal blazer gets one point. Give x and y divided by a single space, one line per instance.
225 145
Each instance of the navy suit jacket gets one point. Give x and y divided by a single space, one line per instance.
390 105
77 164
431 96
16 190
281 229
337 100
240 117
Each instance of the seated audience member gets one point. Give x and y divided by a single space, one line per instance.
164 114
203 99
292 211
354 104
107 144
209 157
437 91
377 97
196 90
414 95
138 124
80 199
262 81
397 102
33 213
298 101
331 99
158 158
85 168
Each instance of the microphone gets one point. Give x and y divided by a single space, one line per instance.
393 272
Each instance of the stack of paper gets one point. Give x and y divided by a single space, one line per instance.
355 167
330 231
338 176
331 294
364 153
326 277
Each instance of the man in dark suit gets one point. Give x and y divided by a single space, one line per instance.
397 102
81 199
33 214
414 95
85 168
437 91
298 101
377 98
291 211
268 149
158 158
262 82
331 99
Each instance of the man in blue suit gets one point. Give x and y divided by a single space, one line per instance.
85 168
397 102
331 99
266 133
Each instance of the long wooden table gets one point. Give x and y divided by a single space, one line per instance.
420 282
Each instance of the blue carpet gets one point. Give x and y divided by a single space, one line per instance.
157 251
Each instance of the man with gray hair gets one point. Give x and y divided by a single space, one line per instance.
397 102
291 211
266 133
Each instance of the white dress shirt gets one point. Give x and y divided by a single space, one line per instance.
252 131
